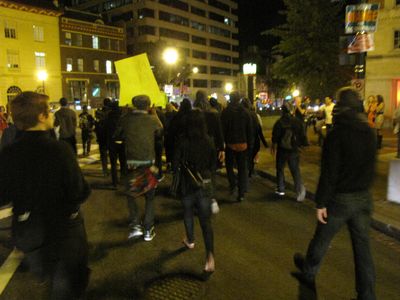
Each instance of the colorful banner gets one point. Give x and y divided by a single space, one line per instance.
361 43
137 78
361 17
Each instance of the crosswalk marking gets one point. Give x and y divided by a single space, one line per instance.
9 267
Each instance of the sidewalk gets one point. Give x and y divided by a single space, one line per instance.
386 216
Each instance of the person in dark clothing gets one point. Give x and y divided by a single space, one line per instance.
169 116
66 119
347 171
101 133
239 136
258 135
196 149
86 124
115 143
300 111
287 138
40 176
159 144
214 104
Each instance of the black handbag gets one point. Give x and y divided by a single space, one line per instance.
175 187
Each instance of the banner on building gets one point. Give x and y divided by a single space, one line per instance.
137 78
361 17
361 43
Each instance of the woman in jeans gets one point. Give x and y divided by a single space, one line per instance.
196 150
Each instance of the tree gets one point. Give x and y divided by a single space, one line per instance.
310 47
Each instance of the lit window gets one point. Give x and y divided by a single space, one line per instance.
40 59
69 64
95 41
80 64
12 59
96 90
68 38
10 30
96 65
108 66
38 33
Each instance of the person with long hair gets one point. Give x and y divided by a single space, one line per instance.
379 118
196 152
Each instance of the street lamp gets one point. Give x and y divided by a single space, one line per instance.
296 93
170 56
195 70
228 87
42 76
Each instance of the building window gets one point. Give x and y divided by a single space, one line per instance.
198 11
219 31
216 84
78 90
128 16
109 44
10 30
96 90
68 39
219 5
220 57
199 54
175 3
12 59
116 45
397 39
202 69
173 34
200 83
80 64
198 26
40 60
69 63
78 40
173 18
145 29
96 65
199 40
219 44
95 42
145 13
38 33
109 67
220 71
216 17
113 89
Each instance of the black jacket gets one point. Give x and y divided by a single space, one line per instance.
214 128
348 157
237 125
278 131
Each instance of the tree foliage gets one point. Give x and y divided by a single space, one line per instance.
309 47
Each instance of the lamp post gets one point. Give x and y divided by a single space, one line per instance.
228 87
250 71
170 56
42 76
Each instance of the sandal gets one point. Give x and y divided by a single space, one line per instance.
210 265
187 244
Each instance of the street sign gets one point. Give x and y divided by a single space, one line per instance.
361 17
361 43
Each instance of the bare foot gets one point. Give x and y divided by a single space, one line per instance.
210 264
188 244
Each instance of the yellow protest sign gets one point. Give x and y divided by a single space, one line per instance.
137 78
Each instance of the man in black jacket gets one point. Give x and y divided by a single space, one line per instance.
347 170
66 119
42 179
239 137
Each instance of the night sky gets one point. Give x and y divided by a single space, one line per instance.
255 16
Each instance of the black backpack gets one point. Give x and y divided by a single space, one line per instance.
288 140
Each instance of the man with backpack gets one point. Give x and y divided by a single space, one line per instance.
86 123
287 137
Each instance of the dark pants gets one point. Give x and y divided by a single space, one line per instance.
158 147
252 155
103 157
72 142
201 201
354 210
117 152
293 159
241 161
86 141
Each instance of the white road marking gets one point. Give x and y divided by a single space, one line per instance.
9 267
5 213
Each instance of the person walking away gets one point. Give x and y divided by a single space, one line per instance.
396 130
139 129
86 124
40 176
300 111
196 152
238 136
326 110
101 133
159 143
65 118
258 135
170 113
379 118
287 138
343 197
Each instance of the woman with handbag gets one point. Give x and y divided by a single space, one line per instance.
195 159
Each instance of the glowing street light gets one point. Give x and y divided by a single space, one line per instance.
42 76
296 93
170 56
228 87
195 70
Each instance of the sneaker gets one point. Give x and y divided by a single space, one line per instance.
137 231
279 193
302 195
214 206
149 234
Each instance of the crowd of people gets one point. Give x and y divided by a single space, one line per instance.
198 138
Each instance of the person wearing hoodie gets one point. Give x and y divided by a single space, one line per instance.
342 197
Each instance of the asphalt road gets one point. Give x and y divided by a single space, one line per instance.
254 244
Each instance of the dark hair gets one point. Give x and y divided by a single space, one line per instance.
141 102
106 101
379 98
195 126
26 108
234 97
185 106
85 107
349 97
63 101
246 104
201 101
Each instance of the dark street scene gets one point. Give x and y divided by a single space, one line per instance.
199 149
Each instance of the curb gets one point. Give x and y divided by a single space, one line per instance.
380 226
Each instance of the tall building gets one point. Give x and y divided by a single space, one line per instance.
383 64
88 50
29 49
205 32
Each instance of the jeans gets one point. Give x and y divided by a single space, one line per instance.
117 152
241 160
201 200
103 157
158 151
133 208
354 210
292 158
86 141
